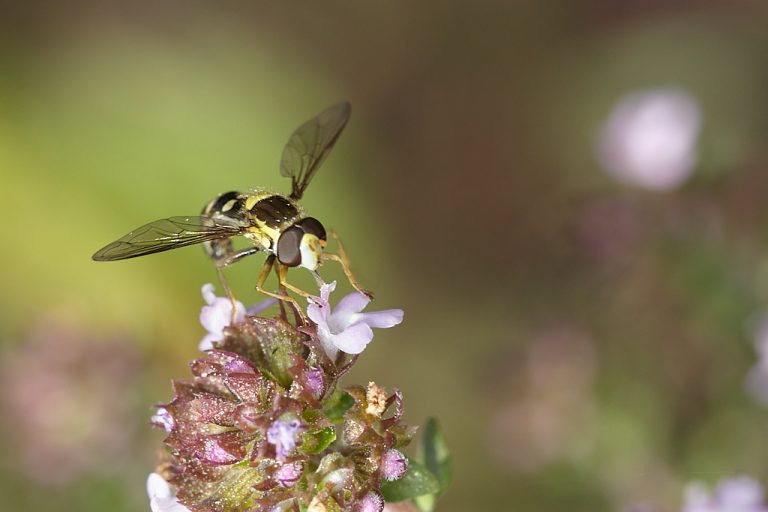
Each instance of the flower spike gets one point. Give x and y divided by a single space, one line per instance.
264 423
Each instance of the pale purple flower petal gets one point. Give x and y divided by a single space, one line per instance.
284 436
161 498
741 493
345 327
326 289
163 419
261 306
217 315
382 319
352 303
650 139
315 313
354 339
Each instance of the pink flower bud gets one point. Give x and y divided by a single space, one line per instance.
314 382
371 502
393 465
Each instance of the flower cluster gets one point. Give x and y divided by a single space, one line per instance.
264 424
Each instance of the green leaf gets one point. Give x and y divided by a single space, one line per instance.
417 481
337 404
316 441
434 455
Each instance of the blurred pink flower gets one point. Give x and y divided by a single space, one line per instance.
71 401
649 139
740 494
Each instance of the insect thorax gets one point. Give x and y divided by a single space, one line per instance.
266 214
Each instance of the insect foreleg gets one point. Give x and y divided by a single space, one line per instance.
342 259
265 270
282 274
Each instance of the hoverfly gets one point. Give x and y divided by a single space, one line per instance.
272 222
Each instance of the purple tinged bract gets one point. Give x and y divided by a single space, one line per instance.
346 328
288 474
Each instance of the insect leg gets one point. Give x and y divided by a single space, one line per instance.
235 257
265 270
228 292
224 257
342 259
282 273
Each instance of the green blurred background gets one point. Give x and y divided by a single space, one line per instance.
584 342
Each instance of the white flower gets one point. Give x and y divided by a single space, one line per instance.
649 140
161 497
345 327
217 315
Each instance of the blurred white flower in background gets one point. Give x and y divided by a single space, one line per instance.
649 139
757 378
741 494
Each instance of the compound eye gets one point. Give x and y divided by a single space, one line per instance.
289 247
312 226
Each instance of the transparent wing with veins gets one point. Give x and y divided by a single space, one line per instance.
166 234
310 144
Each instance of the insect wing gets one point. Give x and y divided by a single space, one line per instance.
166 234
310 144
